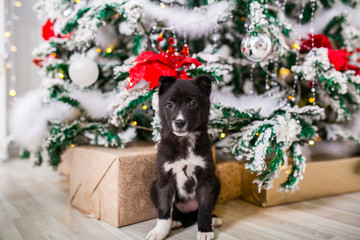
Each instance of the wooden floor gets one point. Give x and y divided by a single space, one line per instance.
34 205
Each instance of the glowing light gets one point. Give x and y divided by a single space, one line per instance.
61 75
54 55
296 46
8 65
283 166
98 50
222 135
318 139
243 18
13 48
12 92
17 4
144 107
257 134
72 145
7 34
311 100
162 5
284 72
76 1
311 142
134 123
290 97
161 35
117 15
109 50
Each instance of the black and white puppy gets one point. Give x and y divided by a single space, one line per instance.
186 189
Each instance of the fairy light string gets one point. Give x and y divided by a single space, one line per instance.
313 90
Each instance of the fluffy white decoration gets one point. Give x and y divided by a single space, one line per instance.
286 130
29 119
197 23
94 102
267 105
128 135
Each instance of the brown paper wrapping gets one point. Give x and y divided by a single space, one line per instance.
229 174
113 184
321 178
64 166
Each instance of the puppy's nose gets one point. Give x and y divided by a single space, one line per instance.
179 123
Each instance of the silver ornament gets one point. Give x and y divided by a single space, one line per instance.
256 48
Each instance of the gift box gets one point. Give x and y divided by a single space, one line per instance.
64 166
113 184
321 178
229 174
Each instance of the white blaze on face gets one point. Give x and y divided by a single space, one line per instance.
179 131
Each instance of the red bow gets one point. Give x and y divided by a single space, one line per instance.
151 66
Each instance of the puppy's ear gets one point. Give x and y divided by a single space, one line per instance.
165 83
204 82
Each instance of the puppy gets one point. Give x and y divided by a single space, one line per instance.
186 189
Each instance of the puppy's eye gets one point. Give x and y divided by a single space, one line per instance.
193 104
170 105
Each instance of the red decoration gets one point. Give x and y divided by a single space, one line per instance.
38 61
150 66
320 40
48 31
340 58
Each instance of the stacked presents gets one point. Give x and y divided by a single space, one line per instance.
113 184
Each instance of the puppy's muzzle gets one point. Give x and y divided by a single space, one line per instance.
179 124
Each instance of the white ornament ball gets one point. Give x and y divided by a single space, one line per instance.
256 48
83 71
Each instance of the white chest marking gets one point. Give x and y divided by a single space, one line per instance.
183 170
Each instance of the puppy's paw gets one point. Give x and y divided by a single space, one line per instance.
176 224
205 236
160 231
155 234
216 222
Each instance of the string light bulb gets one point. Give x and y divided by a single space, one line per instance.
13 48
144 107
311 142
134 123
162 5
7 34
8 65
296 46
61 75
72 145
12 93
98 50
311 100
17 4
284 72
222 135
109 50
76 1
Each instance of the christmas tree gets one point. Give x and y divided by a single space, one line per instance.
275 89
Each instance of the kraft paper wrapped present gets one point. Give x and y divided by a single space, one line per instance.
113 184
64 166
321 178
229 174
